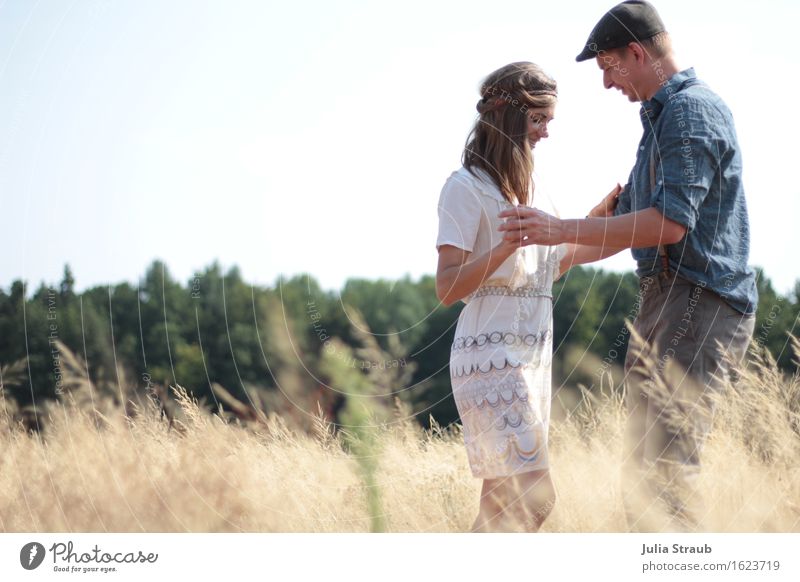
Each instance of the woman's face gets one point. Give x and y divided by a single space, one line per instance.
538 118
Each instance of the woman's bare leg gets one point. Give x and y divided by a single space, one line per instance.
517 503
490 512
532 497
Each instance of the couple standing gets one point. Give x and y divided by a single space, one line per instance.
683 215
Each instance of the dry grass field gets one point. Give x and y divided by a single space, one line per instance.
95 468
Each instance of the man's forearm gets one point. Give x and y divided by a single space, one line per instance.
645 228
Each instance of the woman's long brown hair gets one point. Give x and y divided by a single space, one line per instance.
498 142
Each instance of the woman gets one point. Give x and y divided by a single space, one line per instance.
501 355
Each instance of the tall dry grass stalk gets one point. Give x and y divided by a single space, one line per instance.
103 470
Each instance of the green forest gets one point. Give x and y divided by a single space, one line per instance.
243 349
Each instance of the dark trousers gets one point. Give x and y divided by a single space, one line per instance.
687 343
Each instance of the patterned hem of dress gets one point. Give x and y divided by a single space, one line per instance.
508 458
519 471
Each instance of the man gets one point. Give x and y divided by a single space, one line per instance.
683 214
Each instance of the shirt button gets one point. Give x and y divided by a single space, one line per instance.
641 148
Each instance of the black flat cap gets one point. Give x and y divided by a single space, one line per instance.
630 21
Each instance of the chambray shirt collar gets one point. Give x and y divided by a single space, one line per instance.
652 107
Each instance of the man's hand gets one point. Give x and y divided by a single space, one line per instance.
607 205
529 226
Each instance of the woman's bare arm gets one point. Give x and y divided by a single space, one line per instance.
582 254
457 277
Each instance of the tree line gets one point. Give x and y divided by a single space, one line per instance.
249 350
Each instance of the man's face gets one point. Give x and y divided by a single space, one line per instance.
618 72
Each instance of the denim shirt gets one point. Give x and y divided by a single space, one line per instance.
690 152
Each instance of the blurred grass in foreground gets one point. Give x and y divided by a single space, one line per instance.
95 468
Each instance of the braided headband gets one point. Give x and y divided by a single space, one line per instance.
493 103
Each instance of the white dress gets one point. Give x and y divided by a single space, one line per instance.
500 360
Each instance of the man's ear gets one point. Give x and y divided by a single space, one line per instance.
638 51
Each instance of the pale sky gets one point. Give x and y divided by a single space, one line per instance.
291 137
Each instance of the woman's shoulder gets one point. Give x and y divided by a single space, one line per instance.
467 176
474 180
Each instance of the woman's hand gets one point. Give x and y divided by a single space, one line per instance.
606 207
506 248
